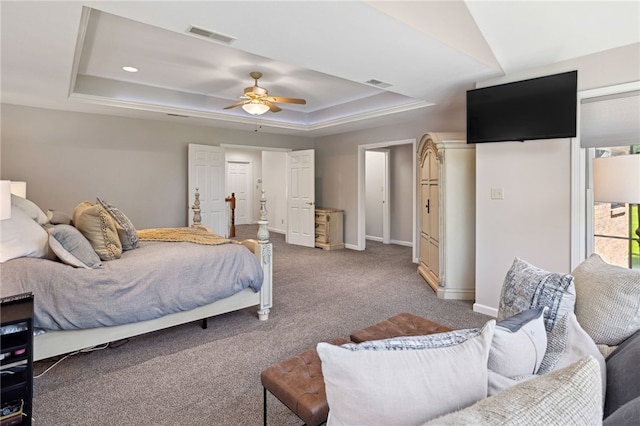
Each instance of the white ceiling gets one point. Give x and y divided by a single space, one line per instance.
68 55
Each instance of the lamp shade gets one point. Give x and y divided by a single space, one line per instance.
617 179
19 188
5 199
255 108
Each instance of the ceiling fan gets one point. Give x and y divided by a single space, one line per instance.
257 100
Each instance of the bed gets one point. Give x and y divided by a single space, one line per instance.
159 284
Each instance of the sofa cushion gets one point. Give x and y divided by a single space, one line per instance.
623 375
405 380
528 287
519 344
627 415
608 300
571 395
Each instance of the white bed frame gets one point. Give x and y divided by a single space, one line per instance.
58 342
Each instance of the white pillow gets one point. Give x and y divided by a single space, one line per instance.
608 300
519 344
406 380
569 396
21 236
566 344
30 208
527 287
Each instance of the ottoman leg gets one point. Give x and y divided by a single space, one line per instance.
264 406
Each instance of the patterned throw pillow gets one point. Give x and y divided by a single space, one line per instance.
126 231
608 300
405 380
528 287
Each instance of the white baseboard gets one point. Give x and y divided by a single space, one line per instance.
276 230
352 247
487 310
402 243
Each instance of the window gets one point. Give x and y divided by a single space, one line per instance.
616 225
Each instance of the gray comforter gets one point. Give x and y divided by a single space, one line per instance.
151 281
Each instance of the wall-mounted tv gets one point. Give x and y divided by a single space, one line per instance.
538 108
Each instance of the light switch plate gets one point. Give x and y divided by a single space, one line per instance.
497 194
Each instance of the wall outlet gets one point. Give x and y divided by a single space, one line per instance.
497 194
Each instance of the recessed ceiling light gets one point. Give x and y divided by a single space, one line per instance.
130 69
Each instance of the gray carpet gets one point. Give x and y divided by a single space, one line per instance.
189 376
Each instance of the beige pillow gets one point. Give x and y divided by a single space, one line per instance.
97 225
571 395
607 300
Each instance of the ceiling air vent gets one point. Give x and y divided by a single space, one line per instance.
378 83
211 35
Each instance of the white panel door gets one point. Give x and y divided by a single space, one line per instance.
301 198
239 182
206 172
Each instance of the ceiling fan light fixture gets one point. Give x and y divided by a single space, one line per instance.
255 107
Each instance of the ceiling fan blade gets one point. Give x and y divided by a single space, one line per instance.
272 107
287 100
237 104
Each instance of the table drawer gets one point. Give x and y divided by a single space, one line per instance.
321 238
321 228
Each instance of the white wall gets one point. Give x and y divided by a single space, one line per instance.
401 196
534 220
138 165
337 163
531 222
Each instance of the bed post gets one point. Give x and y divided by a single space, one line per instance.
265 247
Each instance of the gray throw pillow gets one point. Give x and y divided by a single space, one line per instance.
608 300
57 217
72 247
529 287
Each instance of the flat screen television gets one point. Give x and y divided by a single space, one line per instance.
538 108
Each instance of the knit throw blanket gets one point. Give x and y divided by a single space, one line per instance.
191 235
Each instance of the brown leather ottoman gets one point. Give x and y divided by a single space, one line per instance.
298 383
404 324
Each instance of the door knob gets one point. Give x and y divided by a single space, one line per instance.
311 203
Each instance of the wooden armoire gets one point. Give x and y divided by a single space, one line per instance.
447 174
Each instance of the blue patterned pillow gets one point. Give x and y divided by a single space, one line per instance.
529 287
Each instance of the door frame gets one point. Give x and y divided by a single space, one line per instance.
360 234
